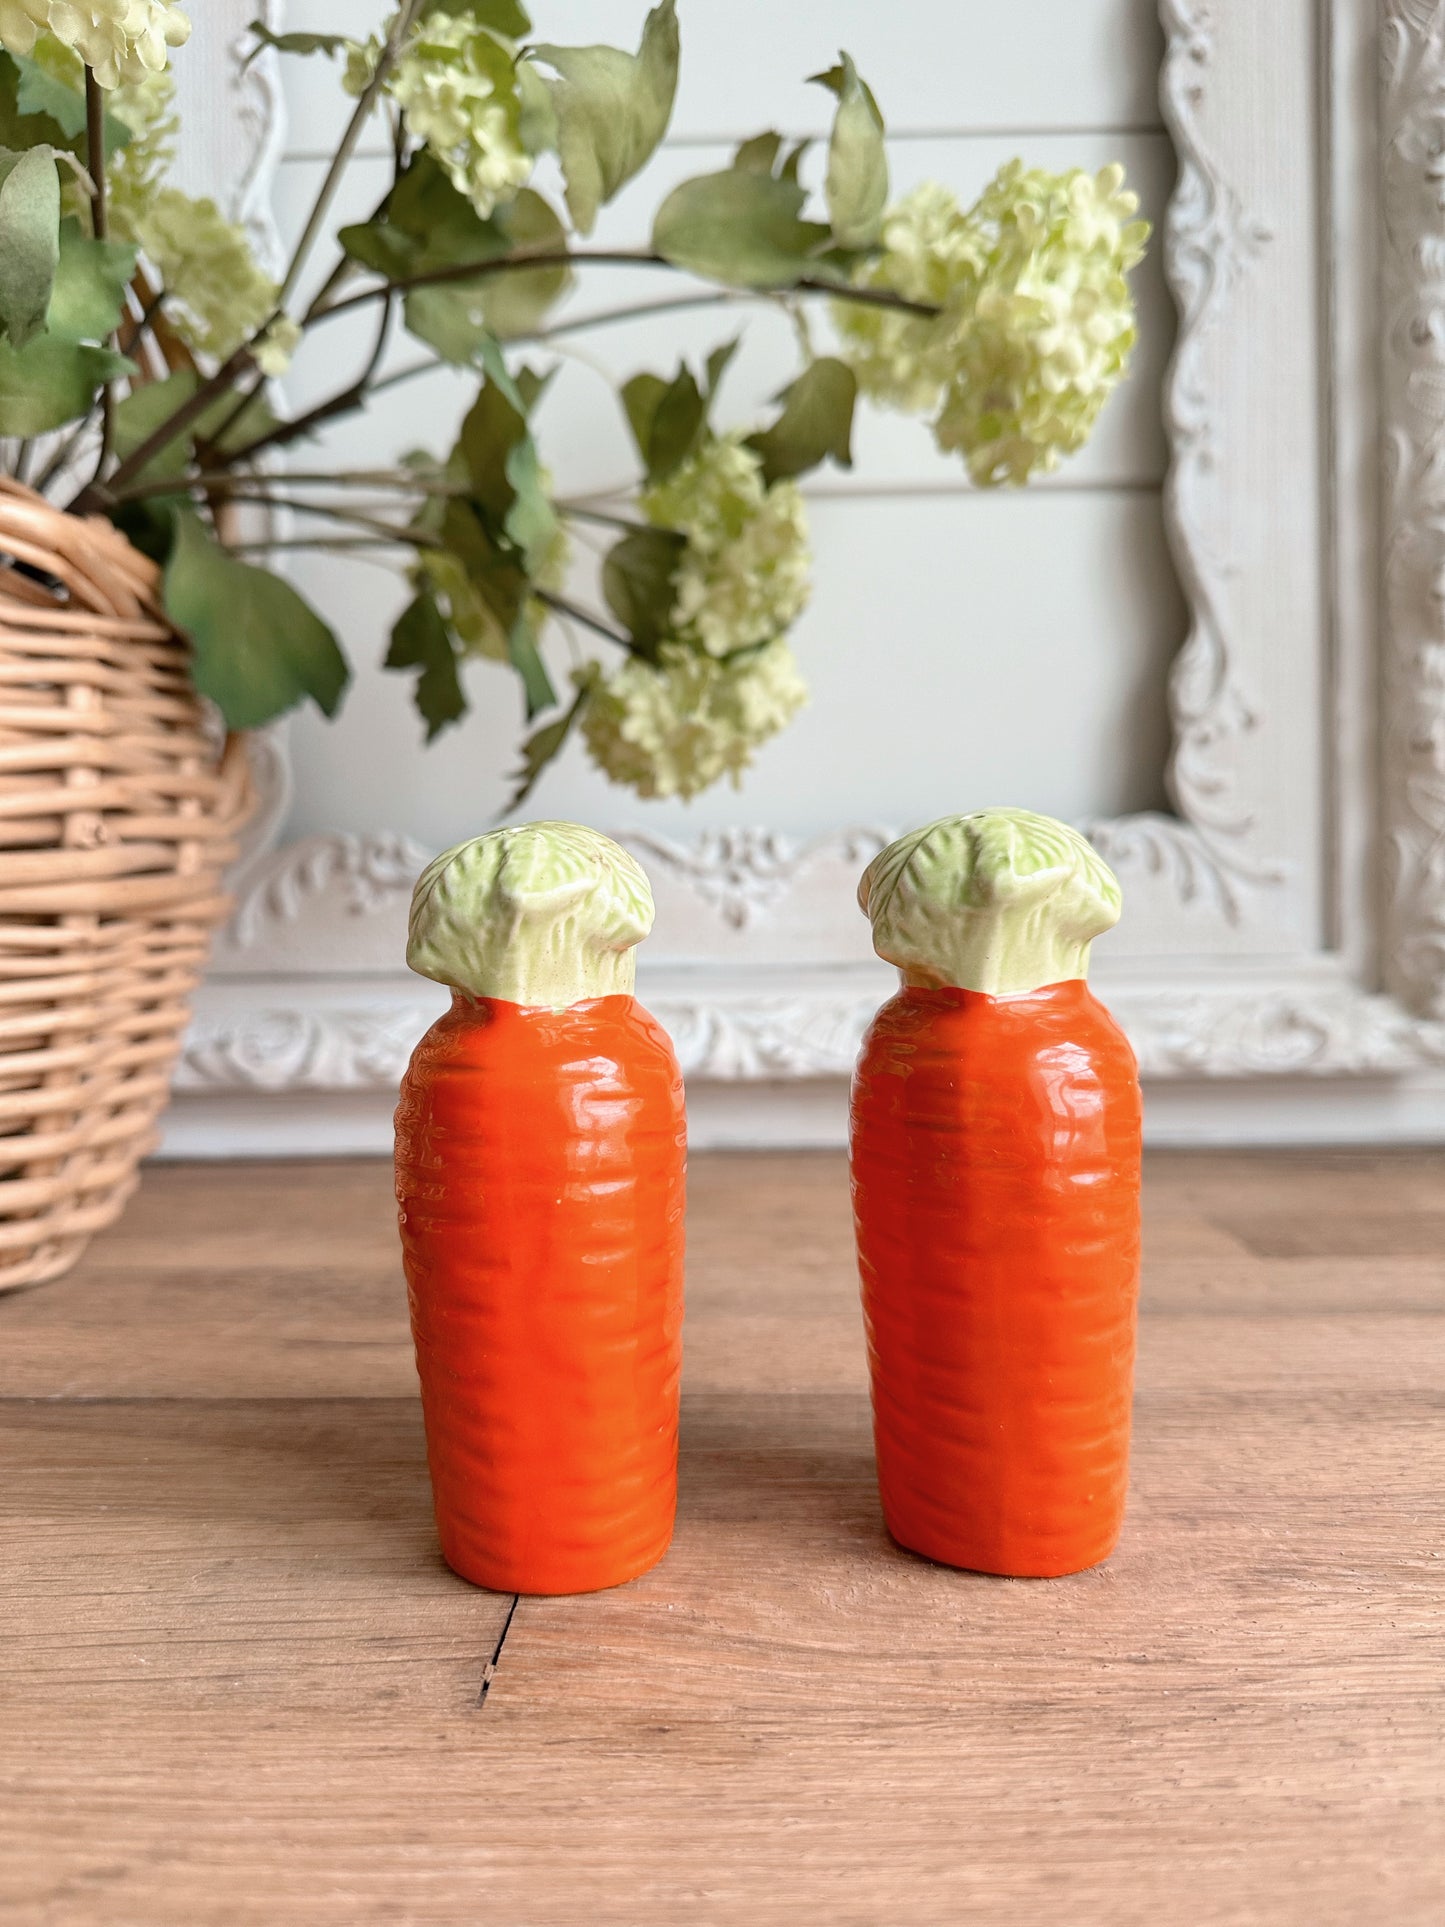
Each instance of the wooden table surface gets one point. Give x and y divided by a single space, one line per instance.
237 1683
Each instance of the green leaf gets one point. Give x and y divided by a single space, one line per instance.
717 365
542 748
29 240
677 425
835 79
259 649
451 319
536 116
640 399
526 659
50 382
495 579
420 640
612 109
90 283
142 411
857 182
738 228
531 520
758 155
38 109
514 303
637 582
490 430
54 378
667 419
292 43
793 161
148 525
816 422
426 224
502 463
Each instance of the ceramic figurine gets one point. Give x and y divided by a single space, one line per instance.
995 1165
540 1158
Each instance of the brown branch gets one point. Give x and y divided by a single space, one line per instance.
100 228
562 607
607 257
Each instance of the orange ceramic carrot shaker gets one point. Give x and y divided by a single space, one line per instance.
995 1165
540 1161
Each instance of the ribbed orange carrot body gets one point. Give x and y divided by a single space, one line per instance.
995 1161
540 1168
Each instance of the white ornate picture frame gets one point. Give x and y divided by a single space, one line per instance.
1282 965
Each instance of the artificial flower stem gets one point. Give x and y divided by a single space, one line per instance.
635 311
190 410
326 194
95 154
99 227
525 260
582 514
560 606
332 512
399 481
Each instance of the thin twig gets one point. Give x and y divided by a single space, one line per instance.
190 410
524 262
565 608
325 543
378 481
637 311
388 531
247 395
321 207
100 228
427 367
582 514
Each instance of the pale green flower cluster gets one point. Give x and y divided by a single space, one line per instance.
1037 319
119 40
456 86
218 292
743 577
674 728
931 249
136 171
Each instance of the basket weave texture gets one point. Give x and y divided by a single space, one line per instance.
119 808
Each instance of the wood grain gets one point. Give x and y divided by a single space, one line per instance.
237 1685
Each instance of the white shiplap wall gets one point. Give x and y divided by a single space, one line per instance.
962 647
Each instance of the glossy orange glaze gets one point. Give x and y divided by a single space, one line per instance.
995 1160
540 1168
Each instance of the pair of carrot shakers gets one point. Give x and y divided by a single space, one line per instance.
540 1157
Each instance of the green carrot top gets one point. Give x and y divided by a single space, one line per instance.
1001 901
546 914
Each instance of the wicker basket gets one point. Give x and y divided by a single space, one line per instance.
118 813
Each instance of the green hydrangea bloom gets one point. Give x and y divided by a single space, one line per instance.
1047 337
136 171
218 292
456 85
1037 323
930 250
675 727
743 577
119 40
